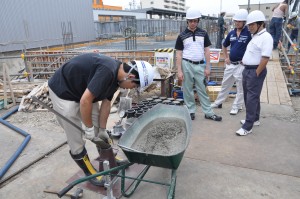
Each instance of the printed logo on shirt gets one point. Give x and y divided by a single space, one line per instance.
243 38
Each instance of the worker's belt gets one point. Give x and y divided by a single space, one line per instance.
251 66
235 62
194 62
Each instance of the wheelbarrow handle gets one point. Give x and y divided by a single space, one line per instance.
65 190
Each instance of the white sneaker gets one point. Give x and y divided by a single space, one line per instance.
243 132
234 111
256 123
213 105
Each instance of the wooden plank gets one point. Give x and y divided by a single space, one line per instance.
273 96
270 73
283 93
278 73
264 93
275 55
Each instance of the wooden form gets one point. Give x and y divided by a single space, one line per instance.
6 82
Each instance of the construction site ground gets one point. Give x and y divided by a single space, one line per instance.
217 163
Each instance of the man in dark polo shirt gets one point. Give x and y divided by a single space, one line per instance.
75 90
238 40
192 47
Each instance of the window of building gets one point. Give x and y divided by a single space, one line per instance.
267 8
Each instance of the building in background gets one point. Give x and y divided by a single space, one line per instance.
98 4
266 8
177 5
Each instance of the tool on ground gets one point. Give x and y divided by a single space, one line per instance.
77 194
97 141
124 105
118 129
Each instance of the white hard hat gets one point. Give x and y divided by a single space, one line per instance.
193 13
255 16
146 73
293 14
241 15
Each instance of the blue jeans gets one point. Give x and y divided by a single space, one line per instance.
275 30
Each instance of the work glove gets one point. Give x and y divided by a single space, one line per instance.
102 139
89 133
103 134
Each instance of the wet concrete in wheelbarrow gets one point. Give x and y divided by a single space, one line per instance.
163 136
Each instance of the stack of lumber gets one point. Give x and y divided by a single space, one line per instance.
42 93
19 89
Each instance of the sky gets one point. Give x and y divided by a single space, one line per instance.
213 7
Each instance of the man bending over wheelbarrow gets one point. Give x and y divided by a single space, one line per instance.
75 90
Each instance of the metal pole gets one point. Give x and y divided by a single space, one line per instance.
248 6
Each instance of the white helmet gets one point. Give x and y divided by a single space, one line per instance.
241 15
255 16
193 13
146 73
293 14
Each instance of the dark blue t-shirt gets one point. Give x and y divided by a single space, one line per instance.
237 44
96 72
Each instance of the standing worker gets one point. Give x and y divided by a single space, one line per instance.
276 22
75 90
293 23
255 60
192 47
238 40
221 27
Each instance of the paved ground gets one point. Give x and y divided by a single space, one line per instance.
217 163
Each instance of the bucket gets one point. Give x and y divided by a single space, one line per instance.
1 104
177 94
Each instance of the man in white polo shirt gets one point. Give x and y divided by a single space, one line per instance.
192 46
255 60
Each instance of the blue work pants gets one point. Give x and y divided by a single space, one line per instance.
252 85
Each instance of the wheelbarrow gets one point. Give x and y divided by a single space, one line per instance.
134 145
